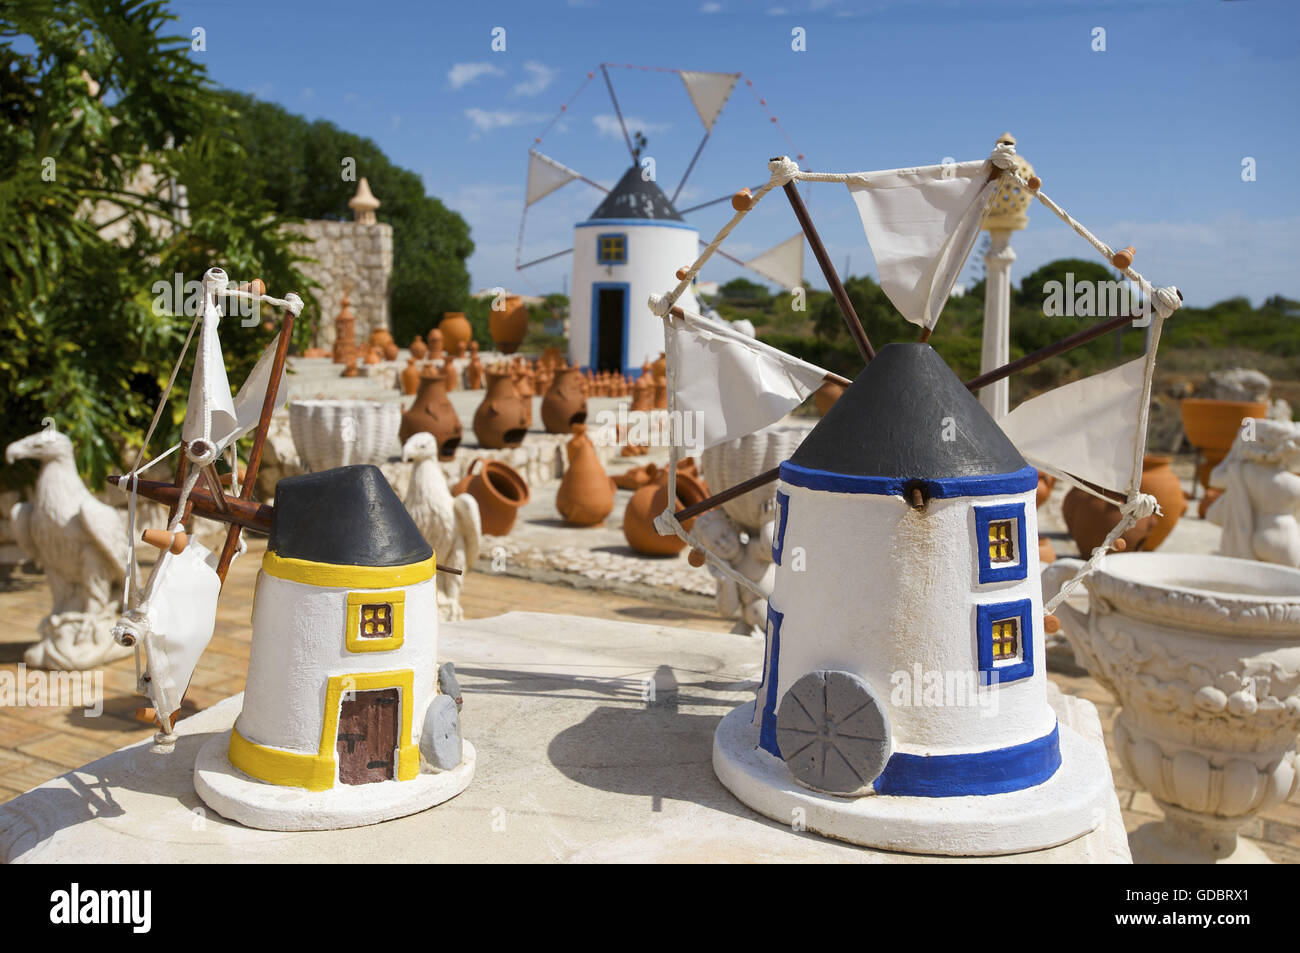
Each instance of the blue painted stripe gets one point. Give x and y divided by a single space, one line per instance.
630 222
991 484
981 772
783 508
767 723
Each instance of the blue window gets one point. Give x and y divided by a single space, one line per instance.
767 724
1005 641
1000 542
611 249
782 512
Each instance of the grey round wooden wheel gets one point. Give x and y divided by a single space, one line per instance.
833 732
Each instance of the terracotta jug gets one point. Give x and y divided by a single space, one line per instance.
563 407
500 492
450 373
474 373
509 325
502 419
1212 425
648 502
410 377
456 333
1089 520
373 356
586 494
418 348
435 345
1159 479
432 412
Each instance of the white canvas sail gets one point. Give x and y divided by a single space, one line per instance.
177 617
1087 428
709 92
735 383
545 175
782 263
248 402
209 387
921 225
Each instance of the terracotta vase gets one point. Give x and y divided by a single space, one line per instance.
1159 480
451 375
502 419
648 502
826 396
456 333
500 492
1089 520
508 326
474 373
419 350
391 350
1212 425
374 356
563 407
410 377
435 345
586 494
1045 483
432 412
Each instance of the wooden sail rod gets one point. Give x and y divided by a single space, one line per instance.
740 489
1051 350
618 112
828 271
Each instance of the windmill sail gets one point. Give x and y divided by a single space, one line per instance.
734 383
210 413
782 263
921 225
1087 428
545 175
248 402
709 92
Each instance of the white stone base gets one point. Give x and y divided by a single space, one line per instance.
272 807
1068 805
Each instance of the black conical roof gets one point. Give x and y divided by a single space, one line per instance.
348 516
892 421
634 197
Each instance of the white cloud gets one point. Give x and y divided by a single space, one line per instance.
462 74
540 76
607 125
486 120
711 8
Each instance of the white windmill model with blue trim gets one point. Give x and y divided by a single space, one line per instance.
903 701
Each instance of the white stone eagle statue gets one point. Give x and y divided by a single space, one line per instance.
78 541
451 525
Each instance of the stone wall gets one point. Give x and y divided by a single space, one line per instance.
349 257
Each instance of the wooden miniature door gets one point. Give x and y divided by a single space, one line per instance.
367 737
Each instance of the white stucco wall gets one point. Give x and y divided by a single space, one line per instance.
885 587
299 644
654 253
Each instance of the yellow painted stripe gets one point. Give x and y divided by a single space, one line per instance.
347 577
289 768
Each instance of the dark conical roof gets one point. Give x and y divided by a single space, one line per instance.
892 421
634 197
348 516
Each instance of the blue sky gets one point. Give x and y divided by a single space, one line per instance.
1143 142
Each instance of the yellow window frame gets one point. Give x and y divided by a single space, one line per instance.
352 630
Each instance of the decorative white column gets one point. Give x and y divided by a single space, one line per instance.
996 349
1007 212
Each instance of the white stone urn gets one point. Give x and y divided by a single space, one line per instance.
337 433
1203 654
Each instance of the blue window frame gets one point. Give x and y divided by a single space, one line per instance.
1000 542
767 723
1004 636
782 513
611 248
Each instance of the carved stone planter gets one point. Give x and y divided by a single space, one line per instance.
337 433
1203 654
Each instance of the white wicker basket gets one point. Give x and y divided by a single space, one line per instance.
337 433
735 461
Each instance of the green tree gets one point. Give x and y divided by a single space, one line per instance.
302 165
96 124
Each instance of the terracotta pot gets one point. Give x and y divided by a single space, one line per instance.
456 333
474 374
564 406
1159 479
419 350
502 419
410 377
450 375
509 325
586 494
647 503
391 350
1089 520
1045 483
826 396
1212 425
432 412
500 492
435 345
636 477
